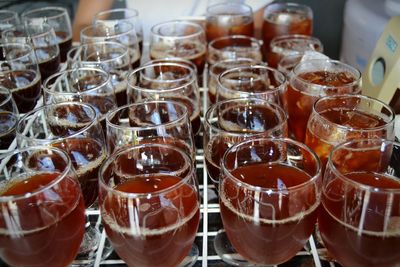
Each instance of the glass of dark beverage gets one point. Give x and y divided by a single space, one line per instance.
113 17
167 81
123 32
149 205
232 121
8 119
309 81
42 214
179 38
74 128
19 72
43 40
285 18
158 121
58 19
229 18
84 84
336 119
256 81
8 19
269 198
233 47
284 45
216 69
112 57
359 215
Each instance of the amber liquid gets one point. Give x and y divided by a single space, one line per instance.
284 22
243 120
299 103
8 124
159 236
278 232
227 24
86 155
64 41
368 245
54 228
25 87
322 141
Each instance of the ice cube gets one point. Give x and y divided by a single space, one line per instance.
357 119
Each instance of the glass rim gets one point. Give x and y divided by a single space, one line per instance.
278 40
138 70
233 60
83 33
57 75
154 32
12 14
257 66
125 150
60 176
307 8
237 37
6 92
347 180
28 14
178 60
30 51
215 106
348 68
313 178
210 12
47 30
113 112
123 47
391 116
133 13
21 128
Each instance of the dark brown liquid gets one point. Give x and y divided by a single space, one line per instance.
220 27
64 43
268 229
25 87
49 65
8 123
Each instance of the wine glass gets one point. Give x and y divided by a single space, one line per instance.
42 214
179 38
256 81
269 198
149 204
112 57
229 18
113 17
19 72
58 19
358 218
123 32
285 18
309 81
8 19
284 45
8 118
74 128
155 121
84 84
231 121
43 39
167 81
336 119
233 47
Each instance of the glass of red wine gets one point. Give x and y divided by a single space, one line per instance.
269 197
359 215
231 121
8 19
167 81
149 204
123 32
19 72
112 57
84 84
158 121
113 17
74 128
43 39
42 214
58 18
8 119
